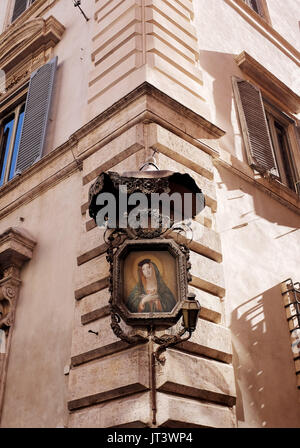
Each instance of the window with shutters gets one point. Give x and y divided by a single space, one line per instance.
267 134
19 7
23 128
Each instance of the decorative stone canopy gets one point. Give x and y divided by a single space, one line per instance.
146 182
27 38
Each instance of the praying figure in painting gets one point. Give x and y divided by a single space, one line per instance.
151 294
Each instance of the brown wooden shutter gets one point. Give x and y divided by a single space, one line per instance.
19 8
254 126
36 116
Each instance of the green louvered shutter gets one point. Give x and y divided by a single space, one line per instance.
19 8
36 116
254 126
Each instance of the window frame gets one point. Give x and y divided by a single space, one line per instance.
272 114
10 104
15 109
275 116
28 4
261 5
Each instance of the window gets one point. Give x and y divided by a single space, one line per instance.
254 4
260 7
278 127
23 128
19 7
267 134
10 134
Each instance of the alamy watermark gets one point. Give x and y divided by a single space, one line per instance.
153 210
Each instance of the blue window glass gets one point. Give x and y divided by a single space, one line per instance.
16 144
6 136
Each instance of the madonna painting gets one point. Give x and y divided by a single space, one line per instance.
152 291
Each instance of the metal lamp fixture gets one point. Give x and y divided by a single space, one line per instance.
190 312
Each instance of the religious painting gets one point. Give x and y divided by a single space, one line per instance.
149 281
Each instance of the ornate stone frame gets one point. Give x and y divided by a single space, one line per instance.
182 266
16 247
36 9
24 48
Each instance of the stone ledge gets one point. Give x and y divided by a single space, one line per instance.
209 339
91 272
92 302
211 307
99 352
91 288
191 376
183 152
178 412
207 274
95 315
109 378
130 412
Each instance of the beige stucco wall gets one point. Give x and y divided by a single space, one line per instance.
36 388
260 242
260 237
222 34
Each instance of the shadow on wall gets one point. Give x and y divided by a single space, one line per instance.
263 363
248 203
221 67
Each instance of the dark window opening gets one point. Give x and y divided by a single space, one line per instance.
10 133
20 7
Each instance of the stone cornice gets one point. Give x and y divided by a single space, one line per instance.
265 29
27 38
68 159
16 247
267 81
37 9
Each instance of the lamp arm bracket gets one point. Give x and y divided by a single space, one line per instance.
134 339
166 341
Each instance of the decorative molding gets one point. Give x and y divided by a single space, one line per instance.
189 123
16 247
37 9
263 8
27 38
145 40
268 82
265 29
